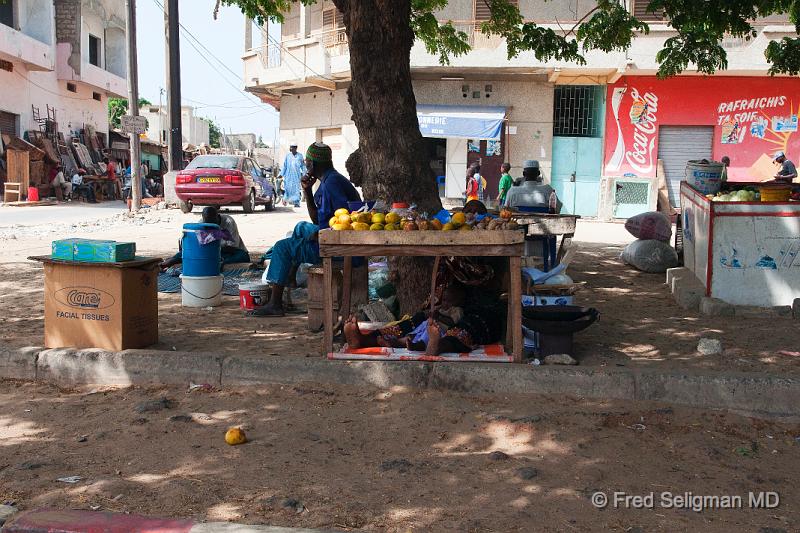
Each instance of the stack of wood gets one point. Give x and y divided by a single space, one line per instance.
24 168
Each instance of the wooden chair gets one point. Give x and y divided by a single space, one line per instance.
13 192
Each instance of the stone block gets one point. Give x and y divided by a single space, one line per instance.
678 272
716 307
688 296
753 311
796 308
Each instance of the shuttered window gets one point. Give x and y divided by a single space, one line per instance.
482 11
8 123
641 12
332 19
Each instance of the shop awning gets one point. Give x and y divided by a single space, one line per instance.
461 122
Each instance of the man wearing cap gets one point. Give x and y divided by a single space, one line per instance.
532 195
788 171
333 193
293 169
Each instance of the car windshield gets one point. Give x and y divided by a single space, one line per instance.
214 161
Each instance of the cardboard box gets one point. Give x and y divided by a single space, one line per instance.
94 251
96 305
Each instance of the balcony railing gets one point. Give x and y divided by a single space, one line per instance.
335 42
271 56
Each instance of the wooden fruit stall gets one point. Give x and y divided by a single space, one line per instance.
349 244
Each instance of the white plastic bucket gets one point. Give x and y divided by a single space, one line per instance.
253 295
705 177
201 291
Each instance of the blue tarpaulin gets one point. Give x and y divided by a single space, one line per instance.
461 122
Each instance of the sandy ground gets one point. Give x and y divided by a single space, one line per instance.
396 460
640 323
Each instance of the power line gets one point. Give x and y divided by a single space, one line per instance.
192 38
49 91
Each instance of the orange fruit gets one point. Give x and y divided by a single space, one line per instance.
235 436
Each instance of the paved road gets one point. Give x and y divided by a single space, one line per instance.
63 213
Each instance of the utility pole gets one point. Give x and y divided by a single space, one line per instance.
173 84
133 106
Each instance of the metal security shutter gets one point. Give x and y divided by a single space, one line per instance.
676 146
641 12
8 123
483 12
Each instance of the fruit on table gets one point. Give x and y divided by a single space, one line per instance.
410 226
391 227
436 224
333 221
378 218
235 436
344 219
342 227
423 225
376 227
506 214
353 218
361 226
341 211
448 227
392 218
458 219
364 218
465 227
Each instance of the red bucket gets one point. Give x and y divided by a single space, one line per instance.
33 194
253 295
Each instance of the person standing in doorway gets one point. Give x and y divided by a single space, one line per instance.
293 169
506 181
476 185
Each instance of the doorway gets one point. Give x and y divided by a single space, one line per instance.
676 146
491 156
578 118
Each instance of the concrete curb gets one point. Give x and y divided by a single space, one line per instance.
751 393
72 521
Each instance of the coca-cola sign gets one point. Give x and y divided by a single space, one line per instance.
84 298
643 110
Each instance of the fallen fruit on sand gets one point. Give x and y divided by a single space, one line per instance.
235 436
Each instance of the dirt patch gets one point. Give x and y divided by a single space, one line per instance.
641 325
388 460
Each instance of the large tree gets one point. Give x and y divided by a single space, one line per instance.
390 162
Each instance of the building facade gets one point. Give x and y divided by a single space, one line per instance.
61 59
598 130
194 129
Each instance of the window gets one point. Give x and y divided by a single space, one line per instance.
332 19
482 11
7 13
641 12
8 123
577 110
94 50
71 87
97 96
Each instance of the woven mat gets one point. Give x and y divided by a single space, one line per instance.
170 282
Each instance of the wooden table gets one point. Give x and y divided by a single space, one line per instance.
99 184
547 225
349 244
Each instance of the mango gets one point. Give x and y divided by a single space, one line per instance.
365 218
391 227
341 211
392 218
376 227
436 224
333 221
465 227
448 227
459 219
378 218
360 226
341 227
344 219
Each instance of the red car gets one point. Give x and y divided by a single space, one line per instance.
224 180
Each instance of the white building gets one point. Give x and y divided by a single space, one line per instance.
194 129
555 112
66 55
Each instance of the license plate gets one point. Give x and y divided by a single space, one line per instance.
208 180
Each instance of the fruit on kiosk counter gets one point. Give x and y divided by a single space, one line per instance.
343 220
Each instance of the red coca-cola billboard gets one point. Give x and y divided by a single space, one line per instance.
753 117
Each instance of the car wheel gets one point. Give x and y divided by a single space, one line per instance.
186 207
249 203
269 206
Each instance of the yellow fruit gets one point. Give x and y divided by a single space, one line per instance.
376 227
344 219
342 227
235 436
360 226
436 224
378 218
448 227
333 221
391 227
364 218
353 217
459 219
392 218
341 211
465 227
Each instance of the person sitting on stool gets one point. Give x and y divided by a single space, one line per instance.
233 250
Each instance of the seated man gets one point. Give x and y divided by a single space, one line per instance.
533 194
302 247
62 189
233 249
83 189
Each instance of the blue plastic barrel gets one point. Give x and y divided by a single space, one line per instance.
200 259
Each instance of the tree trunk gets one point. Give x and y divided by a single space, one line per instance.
391 162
